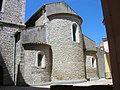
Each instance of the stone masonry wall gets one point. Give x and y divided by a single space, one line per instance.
90 45
14 11
34 75
58 7
91 71
101 63
34 35
19 54
7 45
68 61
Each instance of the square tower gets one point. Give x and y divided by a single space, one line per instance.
12 13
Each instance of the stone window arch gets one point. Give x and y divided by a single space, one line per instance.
40 59
75 32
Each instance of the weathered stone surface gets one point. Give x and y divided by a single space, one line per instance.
91 67
47 40
11 16
34 35
89 44
91 60
46 10
58 7
14 11
33 74
101 63
68 60
7 45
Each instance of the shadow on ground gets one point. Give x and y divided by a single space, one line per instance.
94 87
22 88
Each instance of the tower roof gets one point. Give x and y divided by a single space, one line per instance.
50 9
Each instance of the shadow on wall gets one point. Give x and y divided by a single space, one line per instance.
20 80
51 58
5 78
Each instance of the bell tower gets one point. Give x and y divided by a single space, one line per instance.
12 13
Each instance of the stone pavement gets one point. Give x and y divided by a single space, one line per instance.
47 87
88 83
96 82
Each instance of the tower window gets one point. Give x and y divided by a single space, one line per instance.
1 2
75 33
40 60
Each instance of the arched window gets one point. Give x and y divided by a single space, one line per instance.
75 33
40 60
74 26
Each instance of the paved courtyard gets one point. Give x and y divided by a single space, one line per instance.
47 87
96 82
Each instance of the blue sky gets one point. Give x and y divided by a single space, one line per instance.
89 10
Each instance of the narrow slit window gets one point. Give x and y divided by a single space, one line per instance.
93 62
74 31
40 59
1 2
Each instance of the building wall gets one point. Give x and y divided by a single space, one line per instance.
64 57
91 65
89 44
42 20
101 63
19 63
7 45
13 11
58 7
68 60
111 17
11 16
5 77
34 35
107 66
34 75
106 47
90 58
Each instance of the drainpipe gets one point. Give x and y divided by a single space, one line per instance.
14 59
